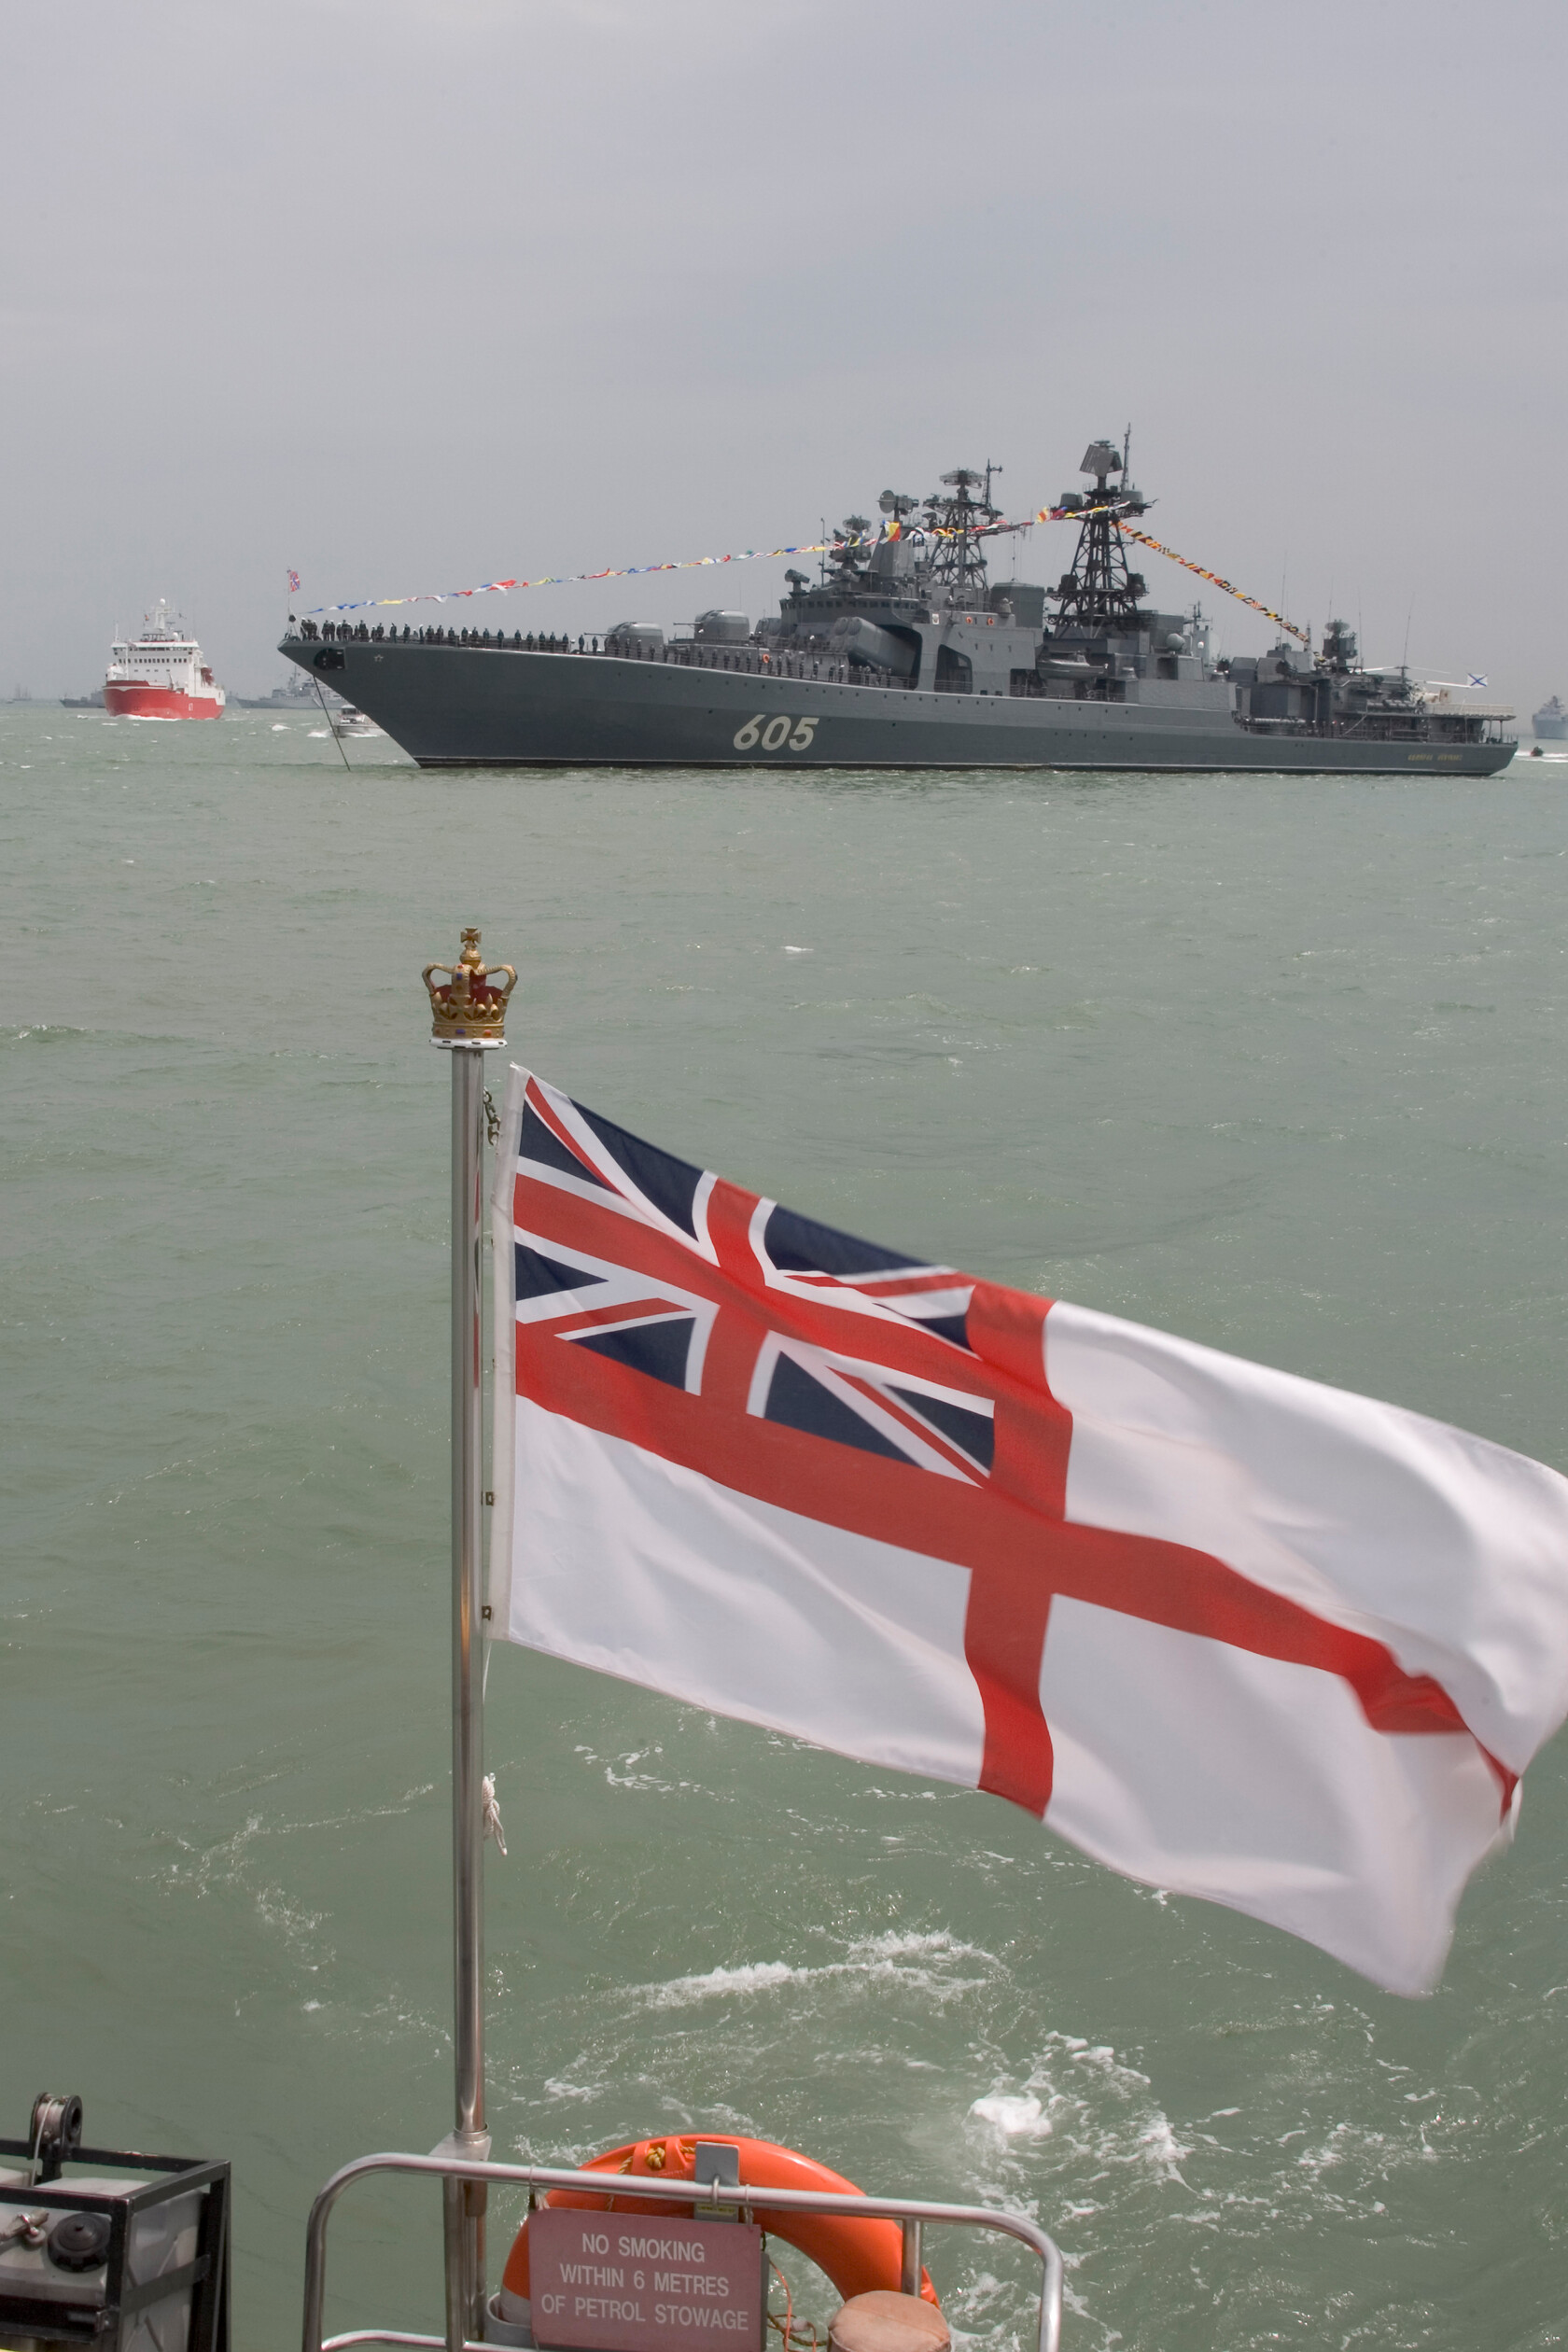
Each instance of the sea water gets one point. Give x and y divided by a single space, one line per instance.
1276 1063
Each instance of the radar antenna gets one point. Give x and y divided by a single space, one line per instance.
1101 591
849 548
959 523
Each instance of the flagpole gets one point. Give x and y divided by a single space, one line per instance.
468 1015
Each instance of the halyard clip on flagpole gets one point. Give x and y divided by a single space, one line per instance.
468 1009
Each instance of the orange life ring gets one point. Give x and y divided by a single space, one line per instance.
856 2256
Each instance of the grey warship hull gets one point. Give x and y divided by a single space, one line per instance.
466 706
904 654
502 706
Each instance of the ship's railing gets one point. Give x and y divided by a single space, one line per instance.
914 2214
752 661
1454 727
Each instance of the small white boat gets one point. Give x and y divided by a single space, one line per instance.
349 721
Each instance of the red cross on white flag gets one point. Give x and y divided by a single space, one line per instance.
1233 1632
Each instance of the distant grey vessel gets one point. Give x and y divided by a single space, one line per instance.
1551 721
295 693
904 654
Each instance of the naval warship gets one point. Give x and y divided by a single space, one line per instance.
905 653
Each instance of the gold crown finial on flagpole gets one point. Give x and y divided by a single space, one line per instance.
468 1007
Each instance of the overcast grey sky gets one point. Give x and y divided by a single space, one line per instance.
411 294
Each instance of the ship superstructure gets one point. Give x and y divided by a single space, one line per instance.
903 652
1550 723
161 674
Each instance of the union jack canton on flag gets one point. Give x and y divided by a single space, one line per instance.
1233 1632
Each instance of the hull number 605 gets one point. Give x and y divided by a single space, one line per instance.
796 733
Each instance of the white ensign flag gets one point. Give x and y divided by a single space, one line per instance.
1234 1633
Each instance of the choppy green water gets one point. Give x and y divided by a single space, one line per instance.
1276 1064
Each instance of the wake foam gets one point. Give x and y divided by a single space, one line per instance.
922 1960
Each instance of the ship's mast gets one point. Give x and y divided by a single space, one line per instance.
1101 591
958 558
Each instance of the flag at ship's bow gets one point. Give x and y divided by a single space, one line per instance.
1233 1632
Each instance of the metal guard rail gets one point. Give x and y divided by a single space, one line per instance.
913 2213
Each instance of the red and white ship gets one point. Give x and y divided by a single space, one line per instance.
161 674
